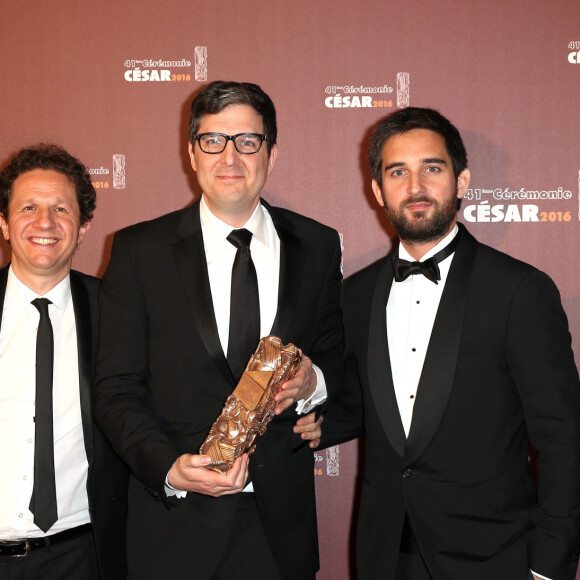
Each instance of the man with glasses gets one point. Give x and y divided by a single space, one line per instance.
184 301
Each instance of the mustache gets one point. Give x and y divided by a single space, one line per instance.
418 199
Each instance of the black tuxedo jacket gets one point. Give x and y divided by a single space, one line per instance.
499 368
163 378
107 475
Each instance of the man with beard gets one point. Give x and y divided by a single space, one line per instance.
461 353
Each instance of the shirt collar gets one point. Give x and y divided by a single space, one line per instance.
442 244
215 230
16 290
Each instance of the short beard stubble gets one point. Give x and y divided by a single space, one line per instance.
422 229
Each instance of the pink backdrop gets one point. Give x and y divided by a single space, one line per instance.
112 82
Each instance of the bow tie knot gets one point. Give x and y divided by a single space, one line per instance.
429 268
404 269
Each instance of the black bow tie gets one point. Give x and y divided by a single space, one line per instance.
404 269
429 268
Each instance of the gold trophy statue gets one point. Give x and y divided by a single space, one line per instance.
249 409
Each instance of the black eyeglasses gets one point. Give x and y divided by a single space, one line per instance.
245 143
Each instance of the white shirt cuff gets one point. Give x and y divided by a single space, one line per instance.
539 575
170 491
304 406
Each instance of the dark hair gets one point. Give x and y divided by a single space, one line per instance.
416 118
48 156
218 95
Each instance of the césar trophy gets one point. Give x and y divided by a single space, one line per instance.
249 409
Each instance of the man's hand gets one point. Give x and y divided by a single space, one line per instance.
309 428
300 386
188 473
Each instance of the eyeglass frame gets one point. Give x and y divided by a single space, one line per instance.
231 138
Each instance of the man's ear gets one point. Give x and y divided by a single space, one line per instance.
83 231
378 192
272 158
4 226
191 155
463 183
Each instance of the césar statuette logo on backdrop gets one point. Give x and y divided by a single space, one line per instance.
364 97
101 176
168 70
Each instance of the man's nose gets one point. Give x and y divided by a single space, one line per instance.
415 184
230 155
45 218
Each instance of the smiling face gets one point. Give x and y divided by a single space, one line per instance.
43 228
232 182
419 190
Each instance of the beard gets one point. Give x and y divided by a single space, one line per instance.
421 228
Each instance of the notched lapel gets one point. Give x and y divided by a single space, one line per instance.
292 252
84 330
189 255
441 360
379 363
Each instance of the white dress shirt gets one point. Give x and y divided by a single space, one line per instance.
411 311
17 393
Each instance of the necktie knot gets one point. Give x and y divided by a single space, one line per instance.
41 304
240 238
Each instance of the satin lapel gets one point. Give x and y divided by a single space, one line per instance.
189 255
3 282
441 360
292 252
85 333
379 364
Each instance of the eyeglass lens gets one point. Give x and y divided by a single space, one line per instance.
245 143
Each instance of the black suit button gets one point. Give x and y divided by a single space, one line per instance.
152 492
408 473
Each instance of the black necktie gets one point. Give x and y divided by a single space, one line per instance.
43 501
244 305
429 268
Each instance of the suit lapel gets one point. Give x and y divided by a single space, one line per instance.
292 252
441 359
189 255
379 363
85 333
